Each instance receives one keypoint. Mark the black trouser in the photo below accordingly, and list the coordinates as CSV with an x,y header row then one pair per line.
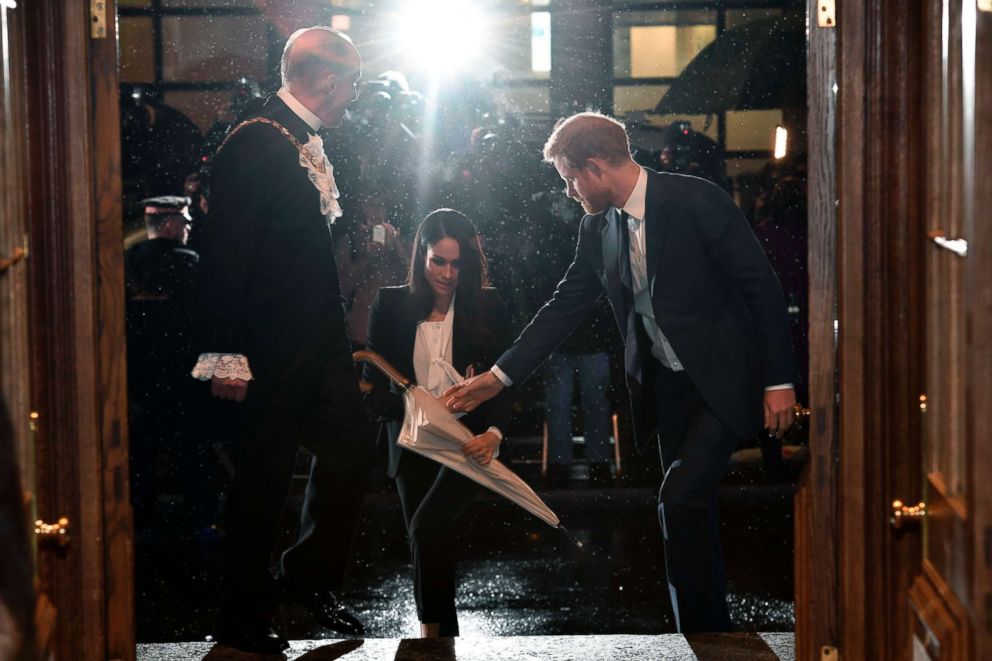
x,y
323,411
695,451
433,497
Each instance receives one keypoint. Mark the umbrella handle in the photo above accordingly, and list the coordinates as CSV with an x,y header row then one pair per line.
x,y
383,366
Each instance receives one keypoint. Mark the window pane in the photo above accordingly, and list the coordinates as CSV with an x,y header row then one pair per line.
x,y
752,129
133,3
214,48
636,98
523,100
540,42
736,17
659,43
201,107
137,56
208,3
518,42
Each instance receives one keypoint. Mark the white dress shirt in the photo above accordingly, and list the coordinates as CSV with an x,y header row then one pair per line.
x,y
432,359
635,208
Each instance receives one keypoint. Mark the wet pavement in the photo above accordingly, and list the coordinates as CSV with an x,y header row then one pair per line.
x,y
517,576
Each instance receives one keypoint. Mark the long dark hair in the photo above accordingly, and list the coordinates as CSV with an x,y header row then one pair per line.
x,y
473,274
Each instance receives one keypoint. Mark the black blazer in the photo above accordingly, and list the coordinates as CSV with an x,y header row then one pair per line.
x,y
392,334
268,280
715,297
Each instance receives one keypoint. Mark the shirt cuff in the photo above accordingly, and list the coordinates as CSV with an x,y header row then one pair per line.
x,y
499,435
222,366
781,386
501,375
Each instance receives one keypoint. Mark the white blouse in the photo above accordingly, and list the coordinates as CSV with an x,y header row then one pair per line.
x,y
432,354
432,359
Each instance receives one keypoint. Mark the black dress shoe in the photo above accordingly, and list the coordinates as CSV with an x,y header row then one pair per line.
x,y
258,640
328,611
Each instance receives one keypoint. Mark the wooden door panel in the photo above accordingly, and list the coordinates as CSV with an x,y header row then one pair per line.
x,y
939,622
943,598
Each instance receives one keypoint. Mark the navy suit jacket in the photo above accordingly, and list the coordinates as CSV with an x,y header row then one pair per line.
x,y
714,294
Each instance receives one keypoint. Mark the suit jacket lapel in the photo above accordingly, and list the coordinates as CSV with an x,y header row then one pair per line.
x,y
406,335
657,225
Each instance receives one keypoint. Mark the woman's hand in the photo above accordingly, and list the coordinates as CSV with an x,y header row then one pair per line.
x,y
482,448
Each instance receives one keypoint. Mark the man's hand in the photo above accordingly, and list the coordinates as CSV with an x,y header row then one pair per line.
x,y
779,410
481,448
467,395
232,389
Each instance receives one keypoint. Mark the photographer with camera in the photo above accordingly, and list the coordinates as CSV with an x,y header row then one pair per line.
x,y
370,254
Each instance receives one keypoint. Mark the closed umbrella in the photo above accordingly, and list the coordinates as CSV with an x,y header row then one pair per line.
x,y
432,431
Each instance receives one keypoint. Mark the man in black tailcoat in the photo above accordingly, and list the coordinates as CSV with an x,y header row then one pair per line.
x,y
271,336
708,357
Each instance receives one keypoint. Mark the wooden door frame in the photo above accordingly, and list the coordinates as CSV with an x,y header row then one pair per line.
x,y
867,258
979,275
864,147
77,325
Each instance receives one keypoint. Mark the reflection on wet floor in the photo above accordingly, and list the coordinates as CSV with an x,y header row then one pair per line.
x,y
517,576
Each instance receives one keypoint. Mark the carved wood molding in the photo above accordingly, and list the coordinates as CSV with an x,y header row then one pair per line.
x,y
938,621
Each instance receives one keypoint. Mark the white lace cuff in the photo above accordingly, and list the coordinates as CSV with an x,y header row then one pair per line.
x,y
223,366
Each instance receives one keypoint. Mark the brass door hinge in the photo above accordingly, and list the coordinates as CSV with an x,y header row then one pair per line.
x,y
826,13
98,19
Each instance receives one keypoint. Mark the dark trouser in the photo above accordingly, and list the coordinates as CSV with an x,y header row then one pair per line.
x,y
432,498
323,412
695,452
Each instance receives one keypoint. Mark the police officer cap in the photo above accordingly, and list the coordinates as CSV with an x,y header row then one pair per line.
x,y
166,205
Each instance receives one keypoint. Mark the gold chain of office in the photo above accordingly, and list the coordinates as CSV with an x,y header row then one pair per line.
x,y
320,166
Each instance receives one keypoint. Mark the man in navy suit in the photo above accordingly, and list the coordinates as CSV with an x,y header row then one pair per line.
x,y
708,358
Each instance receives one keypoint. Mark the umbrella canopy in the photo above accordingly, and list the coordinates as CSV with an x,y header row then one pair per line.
x,y
760,65
432,431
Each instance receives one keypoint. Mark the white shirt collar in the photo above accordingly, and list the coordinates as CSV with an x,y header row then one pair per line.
x,y
636,203
301,110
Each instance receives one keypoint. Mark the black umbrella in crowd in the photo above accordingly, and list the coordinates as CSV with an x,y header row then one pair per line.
x,y
760,65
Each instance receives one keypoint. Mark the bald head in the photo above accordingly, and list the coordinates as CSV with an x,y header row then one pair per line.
x,y
313,53
321,67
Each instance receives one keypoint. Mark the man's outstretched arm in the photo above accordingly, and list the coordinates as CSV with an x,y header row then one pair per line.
x,y
574,297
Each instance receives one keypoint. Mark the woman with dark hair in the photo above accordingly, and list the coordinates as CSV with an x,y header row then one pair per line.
x,y
443,323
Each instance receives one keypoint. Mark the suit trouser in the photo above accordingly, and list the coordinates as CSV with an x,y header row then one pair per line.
x,y
432,498
323,412
695,451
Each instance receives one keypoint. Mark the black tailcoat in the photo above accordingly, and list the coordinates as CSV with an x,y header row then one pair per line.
x,y
269,290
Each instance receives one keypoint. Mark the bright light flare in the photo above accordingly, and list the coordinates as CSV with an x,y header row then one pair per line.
x,y
442,36
781,142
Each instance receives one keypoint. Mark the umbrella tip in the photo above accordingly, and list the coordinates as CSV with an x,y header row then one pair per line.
x,y
569,536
